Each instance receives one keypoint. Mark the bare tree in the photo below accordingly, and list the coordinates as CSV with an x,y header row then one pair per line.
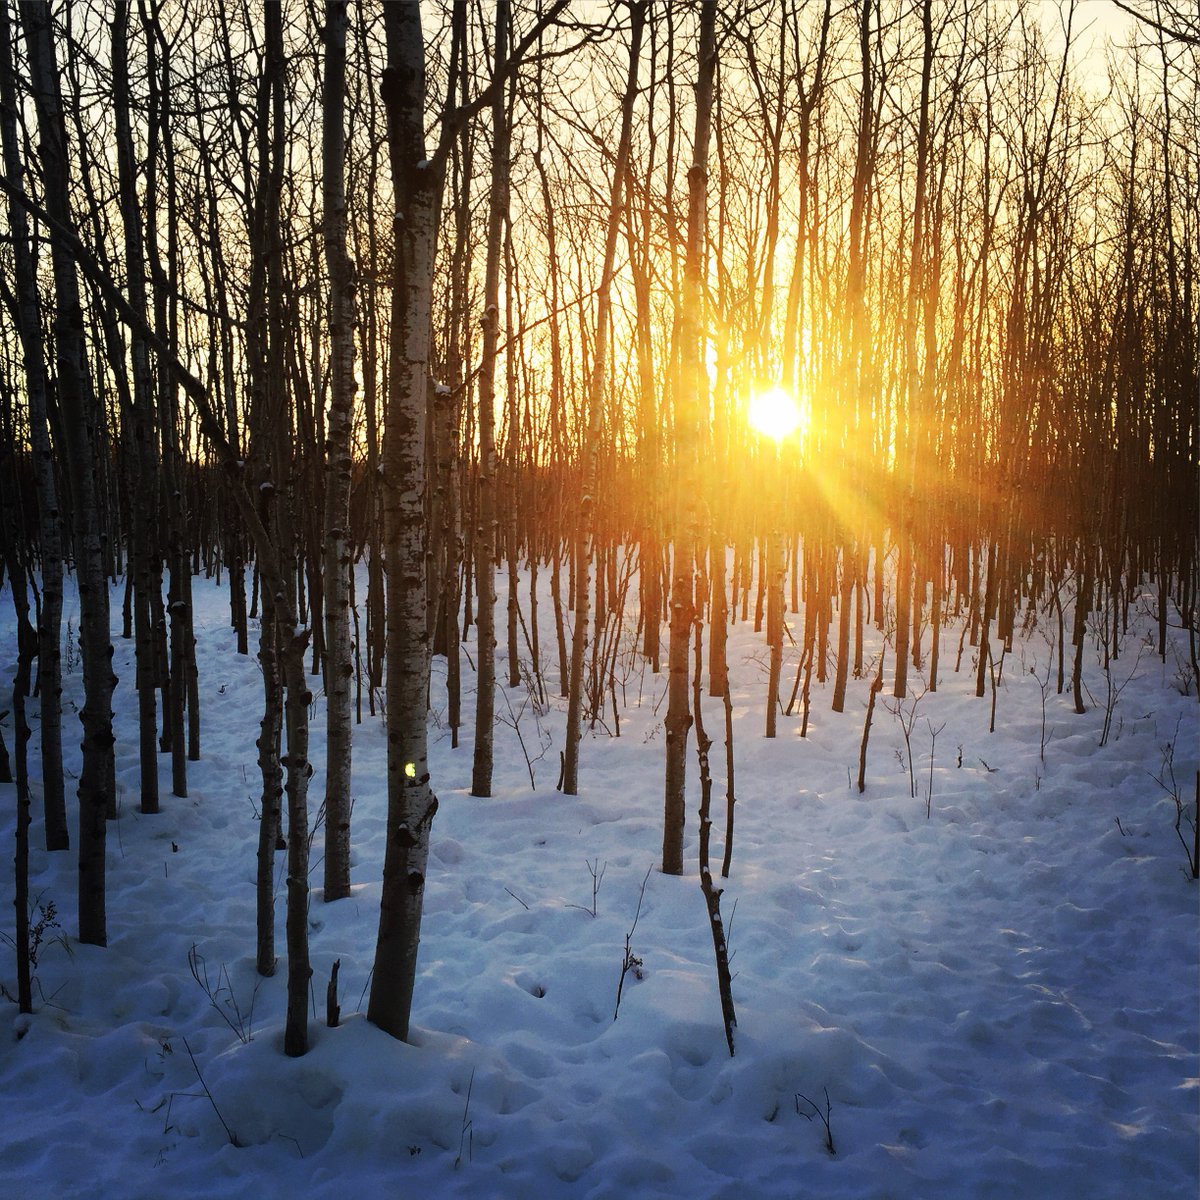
x,y
28,319
692,383
339,667
79,419
143,550
418,179
485,515
585,526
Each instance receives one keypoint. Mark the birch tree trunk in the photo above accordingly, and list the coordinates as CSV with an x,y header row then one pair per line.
x,y
13,560
692,380
448,404
417,186
29,327
171,489
339,668
906,450
485,512
145,499
418,179
78,415
291,637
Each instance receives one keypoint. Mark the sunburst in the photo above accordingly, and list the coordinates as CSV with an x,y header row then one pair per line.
x,y
775,413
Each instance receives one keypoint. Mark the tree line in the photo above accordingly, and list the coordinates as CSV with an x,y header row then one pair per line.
x,y
448,290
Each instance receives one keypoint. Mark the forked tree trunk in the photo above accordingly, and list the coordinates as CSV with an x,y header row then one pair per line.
x,y
417,184
417,181
77,409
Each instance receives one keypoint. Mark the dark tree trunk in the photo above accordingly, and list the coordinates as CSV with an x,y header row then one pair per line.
x,y
79,417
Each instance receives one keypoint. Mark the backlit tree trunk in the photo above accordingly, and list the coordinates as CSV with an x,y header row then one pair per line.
x,y
486,524
417,185
145,500
691,388
584,527
337,566
29,326
79,416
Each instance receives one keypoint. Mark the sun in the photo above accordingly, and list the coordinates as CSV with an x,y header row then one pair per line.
x,y
776,414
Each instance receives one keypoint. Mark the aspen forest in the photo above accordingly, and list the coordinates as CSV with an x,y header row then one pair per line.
x,y
600,598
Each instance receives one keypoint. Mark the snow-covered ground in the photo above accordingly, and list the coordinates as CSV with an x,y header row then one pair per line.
x,y
998,999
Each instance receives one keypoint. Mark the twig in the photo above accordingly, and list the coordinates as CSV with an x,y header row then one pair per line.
x,y
514,723
933,734
233,1139
466,1133
631,962
242,1025
876,688
364,989
816,1112
597,873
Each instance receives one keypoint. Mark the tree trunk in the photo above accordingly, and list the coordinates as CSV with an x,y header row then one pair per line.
x,y
486,523
692,381
584,526
29,326
144,546
11,558
417,184
339,668
78,412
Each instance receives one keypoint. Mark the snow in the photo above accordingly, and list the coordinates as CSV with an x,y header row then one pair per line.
x,y
999,1000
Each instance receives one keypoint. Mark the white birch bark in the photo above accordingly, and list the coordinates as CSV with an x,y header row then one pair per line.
x,y
411,802
418,180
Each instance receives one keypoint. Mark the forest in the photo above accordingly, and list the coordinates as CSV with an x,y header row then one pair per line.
x,y
625,410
